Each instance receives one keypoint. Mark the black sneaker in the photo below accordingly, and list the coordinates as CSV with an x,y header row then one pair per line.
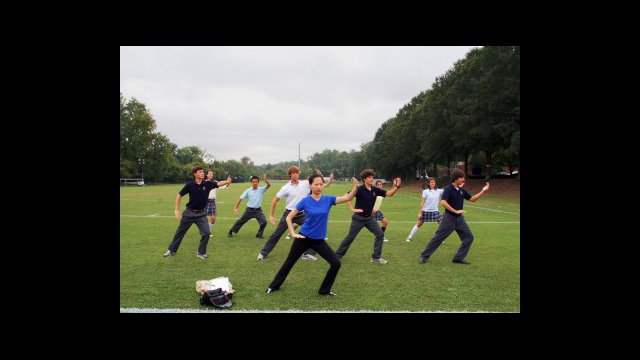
x,y
330,293
259,236
229,234
422,260
270,290
460,262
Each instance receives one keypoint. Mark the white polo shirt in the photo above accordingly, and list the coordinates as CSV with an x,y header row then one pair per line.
x,y
432,199
294,193
213,193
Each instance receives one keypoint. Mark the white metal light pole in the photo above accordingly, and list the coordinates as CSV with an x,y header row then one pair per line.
x,y
141,162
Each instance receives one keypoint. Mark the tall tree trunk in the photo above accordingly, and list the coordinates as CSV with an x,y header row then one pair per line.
x,y
489,165
466,163
435,170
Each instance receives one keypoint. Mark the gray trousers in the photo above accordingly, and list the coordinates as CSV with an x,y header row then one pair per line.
x,y
251,213
357,223
447,225
281,229
189,218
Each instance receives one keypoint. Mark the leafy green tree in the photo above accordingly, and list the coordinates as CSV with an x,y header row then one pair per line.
x,y
190,154
140,142
137,129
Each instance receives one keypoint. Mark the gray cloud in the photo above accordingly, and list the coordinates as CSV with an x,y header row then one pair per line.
x,y
260,101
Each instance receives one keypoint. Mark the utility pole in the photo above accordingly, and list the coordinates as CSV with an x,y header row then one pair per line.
x,y
141,163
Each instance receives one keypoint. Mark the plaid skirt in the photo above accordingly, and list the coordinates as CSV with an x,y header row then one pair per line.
x,y
430,216
211,207
379,216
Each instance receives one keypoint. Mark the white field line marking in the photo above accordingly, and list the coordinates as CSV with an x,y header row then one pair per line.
x,y
216,311
484,208
333,221
472,206
167,201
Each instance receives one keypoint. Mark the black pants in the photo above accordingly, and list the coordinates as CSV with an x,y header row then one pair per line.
x,y
280,229
297,248
447,225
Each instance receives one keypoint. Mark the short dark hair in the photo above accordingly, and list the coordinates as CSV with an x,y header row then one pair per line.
x,y
255,177
456,174
379,181
195,169
366,173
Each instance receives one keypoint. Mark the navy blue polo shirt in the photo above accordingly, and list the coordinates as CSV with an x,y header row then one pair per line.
x,y
455,197
365,199
198,194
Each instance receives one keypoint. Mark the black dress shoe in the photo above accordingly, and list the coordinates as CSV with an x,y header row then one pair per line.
x,y
460,262
422,260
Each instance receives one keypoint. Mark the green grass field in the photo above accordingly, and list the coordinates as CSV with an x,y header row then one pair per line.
x,y
490,283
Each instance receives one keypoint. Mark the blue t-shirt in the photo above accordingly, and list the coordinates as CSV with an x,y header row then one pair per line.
x,y
315,224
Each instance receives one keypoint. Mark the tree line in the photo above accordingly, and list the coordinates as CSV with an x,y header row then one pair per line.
x,y
471,114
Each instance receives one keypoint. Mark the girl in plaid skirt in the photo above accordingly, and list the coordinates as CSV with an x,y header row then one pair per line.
x,y
211,202
428,207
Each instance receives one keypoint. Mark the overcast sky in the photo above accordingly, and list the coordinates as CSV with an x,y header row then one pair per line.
x,y
261,101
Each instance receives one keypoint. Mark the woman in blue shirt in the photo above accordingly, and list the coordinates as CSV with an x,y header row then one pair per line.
x,y
312,234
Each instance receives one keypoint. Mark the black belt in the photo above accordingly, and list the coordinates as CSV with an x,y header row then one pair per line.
x,y
194,210
254,209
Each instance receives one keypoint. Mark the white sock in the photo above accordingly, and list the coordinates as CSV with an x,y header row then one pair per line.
x,y
413,231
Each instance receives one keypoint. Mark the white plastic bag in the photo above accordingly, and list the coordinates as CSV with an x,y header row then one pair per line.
x,y
219,282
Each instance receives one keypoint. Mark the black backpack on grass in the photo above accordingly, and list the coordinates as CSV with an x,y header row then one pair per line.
x,y
215,297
